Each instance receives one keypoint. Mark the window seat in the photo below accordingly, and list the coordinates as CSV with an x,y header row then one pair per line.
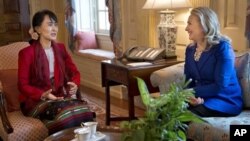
x,y
88,62
90,51
96,54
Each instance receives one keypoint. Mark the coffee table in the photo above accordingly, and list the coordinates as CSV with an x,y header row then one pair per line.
x,y
112,134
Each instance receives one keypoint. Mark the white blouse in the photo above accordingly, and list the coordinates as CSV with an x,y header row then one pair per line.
x,y
50,56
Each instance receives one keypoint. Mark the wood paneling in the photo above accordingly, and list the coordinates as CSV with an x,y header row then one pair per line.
x,y
197,3
14,21
11,6
232,18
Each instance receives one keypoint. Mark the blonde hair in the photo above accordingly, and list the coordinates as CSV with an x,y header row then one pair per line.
x,y
210,24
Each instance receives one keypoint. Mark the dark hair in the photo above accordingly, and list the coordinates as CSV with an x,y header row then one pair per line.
x,y
39,17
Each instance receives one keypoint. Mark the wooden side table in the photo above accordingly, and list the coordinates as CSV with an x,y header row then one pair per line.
x,y
117,72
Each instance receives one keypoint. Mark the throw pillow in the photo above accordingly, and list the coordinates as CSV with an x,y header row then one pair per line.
x,y
242,65
10,89
85,40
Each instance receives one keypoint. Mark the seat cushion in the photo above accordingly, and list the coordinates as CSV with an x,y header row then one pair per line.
x,y
97,54
217,128
85,40
11,92
242,65
25,128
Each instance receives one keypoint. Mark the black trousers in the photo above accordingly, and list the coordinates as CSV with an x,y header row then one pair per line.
x,y
203,111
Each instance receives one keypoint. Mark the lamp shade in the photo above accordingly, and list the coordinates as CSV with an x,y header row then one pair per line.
x,y
166,4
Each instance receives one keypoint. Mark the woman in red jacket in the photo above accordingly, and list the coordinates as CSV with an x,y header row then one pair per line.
x,y
47,78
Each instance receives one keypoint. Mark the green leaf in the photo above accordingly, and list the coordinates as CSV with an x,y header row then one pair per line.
x,y
126,137
138,135
188,116
182,135
143,91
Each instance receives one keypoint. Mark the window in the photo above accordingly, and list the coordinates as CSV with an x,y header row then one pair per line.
x,y
92,15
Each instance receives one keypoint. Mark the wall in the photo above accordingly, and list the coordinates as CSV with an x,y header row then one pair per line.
x,y
140,25
232,19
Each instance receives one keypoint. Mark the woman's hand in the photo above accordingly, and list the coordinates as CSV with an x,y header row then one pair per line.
x,y
195,101
72,88
50,96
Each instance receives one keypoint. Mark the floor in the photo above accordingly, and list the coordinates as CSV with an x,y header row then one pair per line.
x,y
118,106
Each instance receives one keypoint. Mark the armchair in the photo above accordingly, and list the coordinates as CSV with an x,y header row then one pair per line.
x,y
217,128
13,124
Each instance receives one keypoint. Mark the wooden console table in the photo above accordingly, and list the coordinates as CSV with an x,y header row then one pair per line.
x,y
117,72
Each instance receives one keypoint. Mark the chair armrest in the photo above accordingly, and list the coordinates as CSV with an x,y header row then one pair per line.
x,y
164,77
5,121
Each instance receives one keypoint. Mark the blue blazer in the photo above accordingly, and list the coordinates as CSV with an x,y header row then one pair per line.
x,y
214,78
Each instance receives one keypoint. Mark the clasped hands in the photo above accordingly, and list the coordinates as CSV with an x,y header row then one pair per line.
x,y
48,95
195,101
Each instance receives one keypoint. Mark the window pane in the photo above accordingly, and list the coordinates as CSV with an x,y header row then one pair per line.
x,y
102,24
84,20
92,15
101,5
103,21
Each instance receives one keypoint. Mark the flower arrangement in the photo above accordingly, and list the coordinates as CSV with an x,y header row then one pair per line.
x,y
166,117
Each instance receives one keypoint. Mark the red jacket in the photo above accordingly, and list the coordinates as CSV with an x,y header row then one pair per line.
x,y
30,91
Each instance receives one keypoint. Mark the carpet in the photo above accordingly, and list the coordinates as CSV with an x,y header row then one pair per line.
x,y
98,105
99,109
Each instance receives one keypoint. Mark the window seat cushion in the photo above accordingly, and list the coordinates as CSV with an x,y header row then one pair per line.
x,y
96,54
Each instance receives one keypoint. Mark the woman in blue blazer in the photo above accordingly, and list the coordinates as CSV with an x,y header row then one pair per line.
x,y
209,63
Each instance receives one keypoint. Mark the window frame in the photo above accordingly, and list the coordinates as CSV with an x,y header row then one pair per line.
x,y
93,14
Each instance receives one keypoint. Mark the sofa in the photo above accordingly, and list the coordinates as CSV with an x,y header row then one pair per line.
x,y
216,128
14,126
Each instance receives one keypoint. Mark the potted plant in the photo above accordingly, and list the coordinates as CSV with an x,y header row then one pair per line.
x,y
166,117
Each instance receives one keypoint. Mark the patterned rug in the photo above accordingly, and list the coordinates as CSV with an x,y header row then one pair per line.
x,y
99,109
98,106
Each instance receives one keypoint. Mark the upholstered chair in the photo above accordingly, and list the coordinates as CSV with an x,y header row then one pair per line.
x,y
14,126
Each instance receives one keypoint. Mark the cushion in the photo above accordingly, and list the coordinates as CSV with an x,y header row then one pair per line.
x,y
85,40
164,77
97,54
242,65
11,92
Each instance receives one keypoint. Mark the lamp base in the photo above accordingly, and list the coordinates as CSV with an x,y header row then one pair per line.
x,y
167,32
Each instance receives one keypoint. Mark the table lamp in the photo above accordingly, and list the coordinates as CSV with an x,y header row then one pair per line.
x,y
167,29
